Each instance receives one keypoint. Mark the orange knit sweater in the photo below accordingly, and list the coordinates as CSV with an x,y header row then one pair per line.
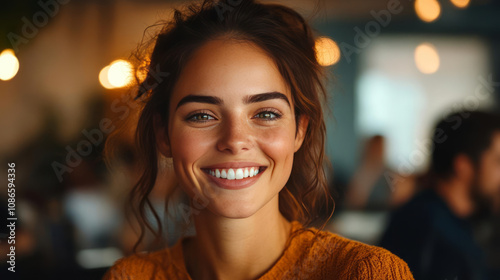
x,y
329,257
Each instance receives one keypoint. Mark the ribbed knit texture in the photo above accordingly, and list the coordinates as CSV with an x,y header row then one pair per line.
x,y
330,256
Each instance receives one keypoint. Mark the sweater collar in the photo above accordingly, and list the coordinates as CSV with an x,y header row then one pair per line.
x,y
281,266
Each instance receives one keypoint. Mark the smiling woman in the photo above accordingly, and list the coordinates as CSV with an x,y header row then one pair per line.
x,y
241,118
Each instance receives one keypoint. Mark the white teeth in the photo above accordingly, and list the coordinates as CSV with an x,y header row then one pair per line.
x,y
239,173
230,174
234,174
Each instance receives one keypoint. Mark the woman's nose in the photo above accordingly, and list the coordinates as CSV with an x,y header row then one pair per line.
x,y
235,136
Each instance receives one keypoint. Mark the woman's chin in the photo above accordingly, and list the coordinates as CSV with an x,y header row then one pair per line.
x,y
233,209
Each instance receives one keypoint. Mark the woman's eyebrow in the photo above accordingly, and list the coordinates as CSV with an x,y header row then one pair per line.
x,y
265,96
247,100
199,99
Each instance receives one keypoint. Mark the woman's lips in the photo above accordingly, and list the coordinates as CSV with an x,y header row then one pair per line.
x,y
234,184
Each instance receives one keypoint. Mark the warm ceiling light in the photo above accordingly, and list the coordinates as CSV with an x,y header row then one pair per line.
x,y
427,10
9,65
427,58
327,51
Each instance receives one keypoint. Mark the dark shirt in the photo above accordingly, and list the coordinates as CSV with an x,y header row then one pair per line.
x,y
434,242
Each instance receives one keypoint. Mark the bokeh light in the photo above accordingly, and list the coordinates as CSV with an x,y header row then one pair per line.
x,y
103,78
462,4
120,73
327,51
9,65
427,58
427,10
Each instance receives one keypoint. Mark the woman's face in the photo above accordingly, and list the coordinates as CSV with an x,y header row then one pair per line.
x,y
231,113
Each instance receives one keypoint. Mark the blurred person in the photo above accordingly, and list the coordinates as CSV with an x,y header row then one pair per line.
x,y
368,173
493,248
374,186
43,241
89,207
240,117
489,238
433,232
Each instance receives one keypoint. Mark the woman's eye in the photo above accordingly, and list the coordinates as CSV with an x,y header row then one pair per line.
x,y
269,115
200,117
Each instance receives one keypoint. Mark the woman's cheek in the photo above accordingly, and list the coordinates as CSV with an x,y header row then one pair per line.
x,y
186,149
277,143
189,145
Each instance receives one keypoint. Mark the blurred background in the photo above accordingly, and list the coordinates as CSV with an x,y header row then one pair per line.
x,y
399,66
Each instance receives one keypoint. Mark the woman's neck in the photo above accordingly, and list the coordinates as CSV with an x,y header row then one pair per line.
x,y
236,248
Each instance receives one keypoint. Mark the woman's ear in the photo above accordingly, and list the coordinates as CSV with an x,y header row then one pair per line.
x,y
301,133
161,135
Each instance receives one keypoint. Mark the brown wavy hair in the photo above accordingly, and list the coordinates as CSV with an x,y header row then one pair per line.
x,y
289,41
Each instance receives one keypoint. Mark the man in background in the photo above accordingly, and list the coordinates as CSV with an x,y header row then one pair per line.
x,y
433,231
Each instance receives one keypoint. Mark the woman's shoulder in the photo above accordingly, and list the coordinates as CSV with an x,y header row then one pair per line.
x,y
365,261
138,266
349,259
161,264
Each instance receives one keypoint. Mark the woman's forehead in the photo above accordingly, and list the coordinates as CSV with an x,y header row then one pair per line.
x,y
229,68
